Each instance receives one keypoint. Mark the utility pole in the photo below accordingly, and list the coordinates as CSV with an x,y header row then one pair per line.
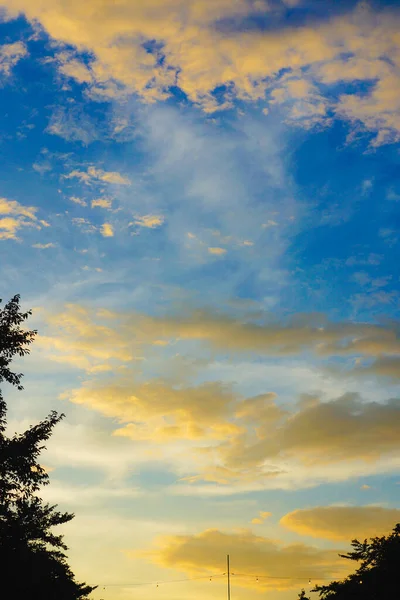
x,y
229,577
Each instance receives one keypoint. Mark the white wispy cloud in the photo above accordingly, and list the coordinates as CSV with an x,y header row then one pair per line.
x,y
44,246
10,55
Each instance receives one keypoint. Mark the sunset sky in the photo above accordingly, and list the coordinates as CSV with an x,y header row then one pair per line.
x,y
200,201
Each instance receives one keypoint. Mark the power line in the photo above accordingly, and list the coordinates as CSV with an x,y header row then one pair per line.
x,y
212,576
131,584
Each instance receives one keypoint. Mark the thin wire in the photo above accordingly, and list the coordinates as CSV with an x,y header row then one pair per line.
x,y
210,576
105,585
277,577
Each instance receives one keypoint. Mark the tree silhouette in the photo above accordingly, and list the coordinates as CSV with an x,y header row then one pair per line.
x,y
32,559
377,577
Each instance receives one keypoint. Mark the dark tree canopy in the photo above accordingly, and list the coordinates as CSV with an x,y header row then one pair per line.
x,y
377,577
32,559
14,341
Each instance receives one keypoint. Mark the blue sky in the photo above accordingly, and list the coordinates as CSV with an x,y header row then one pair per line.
x,y
201,203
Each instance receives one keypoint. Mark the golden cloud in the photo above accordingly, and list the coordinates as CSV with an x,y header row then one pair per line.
x,y
14,216
149,221
340,430
156,411
262,515
342,522
217,251
232,438
248,439
107,230
101,203
93,175
261,562
79,338
201,53
304,332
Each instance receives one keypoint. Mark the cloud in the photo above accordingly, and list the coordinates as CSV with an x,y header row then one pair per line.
x,y
10,55
107,230
277,566
84,224
231,438
385,366
342,522
251,439
159,412
86,338
101,203
192,46
73,125
93,175
217,251
150,221
14,216
44,246
301,333
341,430
312,332
78,201
262,515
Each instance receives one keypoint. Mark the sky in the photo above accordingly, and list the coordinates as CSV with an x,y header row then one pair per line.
x,y
200,201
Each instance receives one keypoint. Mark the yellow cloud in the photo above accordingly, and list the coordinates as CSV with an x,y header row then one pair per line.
x,y
199,56
244,439
257,438
43,246
341,430
150,221
107,230
342,522
83,337
93,175
101,203
14,216
262,562
217,251
261,518
158,412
